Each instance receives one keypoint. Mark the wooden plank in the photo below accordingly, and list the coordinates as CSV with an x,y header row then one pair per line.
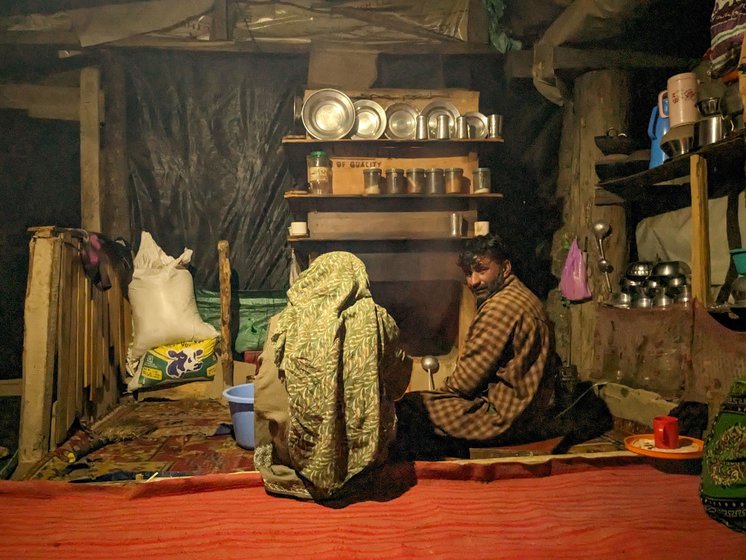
x,y
60,414
51,102
40,335
90,140
74,389
11,387
226,350
87,337
700,231
79,334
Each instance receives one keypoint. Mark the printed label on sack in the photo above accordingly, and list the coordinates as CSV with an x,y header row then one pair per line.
x,y
179,362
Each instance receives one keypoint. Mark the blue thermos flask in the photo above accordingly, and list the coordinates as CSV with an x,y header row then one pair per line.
x,y
657,127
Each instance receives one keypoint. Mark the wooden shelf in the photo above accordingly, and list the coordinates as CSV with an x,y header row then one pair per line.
x,y
723,158
362,244
303,203
298,146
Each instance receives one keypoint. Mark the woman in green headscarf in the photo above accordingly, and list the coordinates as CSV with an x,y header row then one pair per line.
x,y
331,371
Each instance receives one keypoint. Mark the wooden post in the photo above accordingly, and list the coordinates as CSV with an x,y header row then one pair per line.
x,y
39,341
225,311
115,208
600,101
90,140
700,230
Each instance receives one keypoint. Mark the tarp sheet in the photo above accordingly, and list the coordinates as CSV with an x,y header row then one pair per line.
x,y
206,158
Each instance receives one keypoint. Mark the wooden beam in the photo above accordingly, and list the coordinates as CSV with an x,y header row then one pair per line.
x,y
115,208
520,64
46,102
61,38
11,387
39,341
220,30
90,142
700,230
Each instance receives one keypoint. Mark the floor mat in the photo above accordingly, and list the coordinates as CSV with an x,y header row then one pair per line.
x,y
150,438
168,438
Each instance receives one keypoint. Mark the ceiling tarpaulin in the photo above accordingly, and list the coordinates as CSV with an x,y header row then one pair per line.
x,y
581,22
105,24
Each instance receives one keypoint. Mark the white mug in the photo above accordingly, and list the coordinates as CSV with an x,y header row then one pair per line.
x,y
682,99
481,228
298,229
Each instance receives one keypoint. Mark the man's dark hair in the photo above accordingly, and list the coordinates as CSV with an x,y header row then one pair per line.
x,y
482,245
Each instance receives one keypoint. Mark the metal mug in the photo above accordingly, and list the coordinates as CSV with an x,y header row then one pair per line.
x,y
681,91
422,131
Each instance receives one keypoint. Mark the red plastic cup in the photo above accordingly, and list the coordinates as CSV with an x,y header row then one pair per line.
x,y
666,432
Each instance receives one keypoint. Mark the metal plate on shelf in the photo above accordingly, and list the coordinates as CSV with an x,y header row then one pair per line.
x,y
436,108
370,120
328,114
401,121
477,124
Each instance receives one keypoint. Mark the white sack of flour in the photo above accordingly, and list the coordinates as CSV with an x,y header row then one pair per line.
x,y
164,310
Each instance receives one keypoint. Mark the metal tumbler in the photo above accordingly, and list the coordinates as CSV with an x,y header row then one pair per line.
x,y
421,131
494,126
462,129
443,132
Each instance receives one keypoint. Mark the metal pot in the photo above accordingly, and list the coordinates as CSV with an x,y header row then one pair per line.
x,y
639,270
711,129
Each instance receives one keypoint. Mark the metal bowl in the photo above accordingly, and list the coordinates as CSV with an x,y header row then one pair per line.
x,y
370,120
639,270
328,114
671,268
436,108
401,121
678,140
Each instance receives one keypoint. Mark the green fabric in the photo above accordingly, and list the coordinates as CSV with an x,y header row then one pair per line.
x,y
254,311
340,356
723,490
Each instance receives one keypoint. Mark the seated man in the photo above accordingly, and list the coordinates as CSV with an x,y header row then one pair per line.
x,y
502,387
331,370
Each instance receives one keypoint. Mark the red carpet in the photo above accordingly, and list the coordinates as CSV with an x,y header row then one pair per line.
x,y
580,511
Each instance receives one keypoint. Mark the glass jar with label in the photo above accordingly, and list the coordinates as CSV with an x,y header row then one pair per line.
x,y
319,172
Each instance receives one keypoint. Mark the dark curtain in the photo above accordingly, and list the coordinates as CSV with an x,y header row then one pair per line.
x,y
206,159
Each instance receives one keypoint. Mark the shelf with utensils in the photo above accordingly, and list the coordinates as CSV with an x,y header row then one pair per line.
x,y
724,159
687,180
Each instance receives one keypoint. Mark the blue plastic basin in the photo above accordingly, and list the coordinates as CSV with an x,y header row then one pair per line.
x,y
241,403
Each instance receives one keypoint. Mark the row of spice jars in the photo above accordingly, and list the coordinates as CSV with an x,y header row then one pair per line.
x,y
424,181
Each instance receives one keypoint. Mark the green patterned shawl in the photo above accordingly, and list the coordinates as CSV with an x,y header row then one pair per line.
x,y
336,347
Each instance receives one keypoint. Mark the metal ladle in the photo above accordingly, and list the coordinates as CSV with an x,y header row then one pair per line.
x,y
431,365
601,229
